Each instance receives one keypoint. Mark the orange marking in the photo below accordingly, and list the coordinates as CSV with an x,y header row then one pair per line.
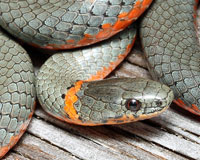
x,y
15,139
193,108
102,34
70,41
107,30
88,39
105,26
71,98
195,14
123,15
119,25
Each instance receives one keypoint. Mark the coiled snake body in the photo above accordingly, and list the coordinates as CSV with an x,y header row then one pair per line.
x,y
173,50
64,83
17,92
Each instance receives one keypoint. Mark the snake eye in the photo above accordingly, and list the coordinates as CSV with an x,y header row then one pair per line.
x,y
133,105
63,96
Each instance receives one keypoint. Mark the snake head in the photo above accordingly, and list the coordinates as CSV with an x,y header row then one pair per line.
x,y
116,101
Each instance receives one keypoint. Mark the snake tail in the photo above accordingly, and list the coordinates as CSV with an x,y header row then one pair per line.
x,y
17,92
168,33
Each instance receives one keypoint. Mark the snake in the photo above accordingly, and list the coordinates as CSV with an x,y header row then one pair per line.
x,y
172,48
17,92
69,85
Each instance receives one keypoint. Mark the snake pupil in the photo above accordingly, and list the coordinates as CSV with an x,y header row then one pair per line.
x,y
133,105
63,96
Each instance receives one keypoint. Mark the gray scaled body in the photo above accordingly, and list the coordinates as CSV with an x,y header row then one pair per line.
x,y
172,48
59,23
17,92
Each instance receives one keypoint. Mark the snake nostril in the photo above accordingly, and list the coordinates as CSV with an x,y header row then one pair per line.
x,y
159,103
133,105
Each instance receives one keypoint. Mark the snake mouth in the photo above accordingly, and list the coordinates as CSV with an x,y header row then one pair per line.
x,y
131,118
151,115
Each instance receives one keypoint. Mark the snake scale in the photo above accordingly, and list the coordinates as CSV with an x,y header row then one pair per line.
x,y
65,84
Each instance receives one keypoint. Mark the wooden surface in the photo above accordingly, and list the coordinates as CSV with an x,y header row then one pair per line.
x,y
173,135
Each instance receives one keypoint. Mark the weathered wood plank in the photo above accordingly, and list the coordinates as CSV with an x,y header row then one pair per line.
x,y
35,148
105,137
129,144
186,124
136,57
173,142
131,70
14,156
76,145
